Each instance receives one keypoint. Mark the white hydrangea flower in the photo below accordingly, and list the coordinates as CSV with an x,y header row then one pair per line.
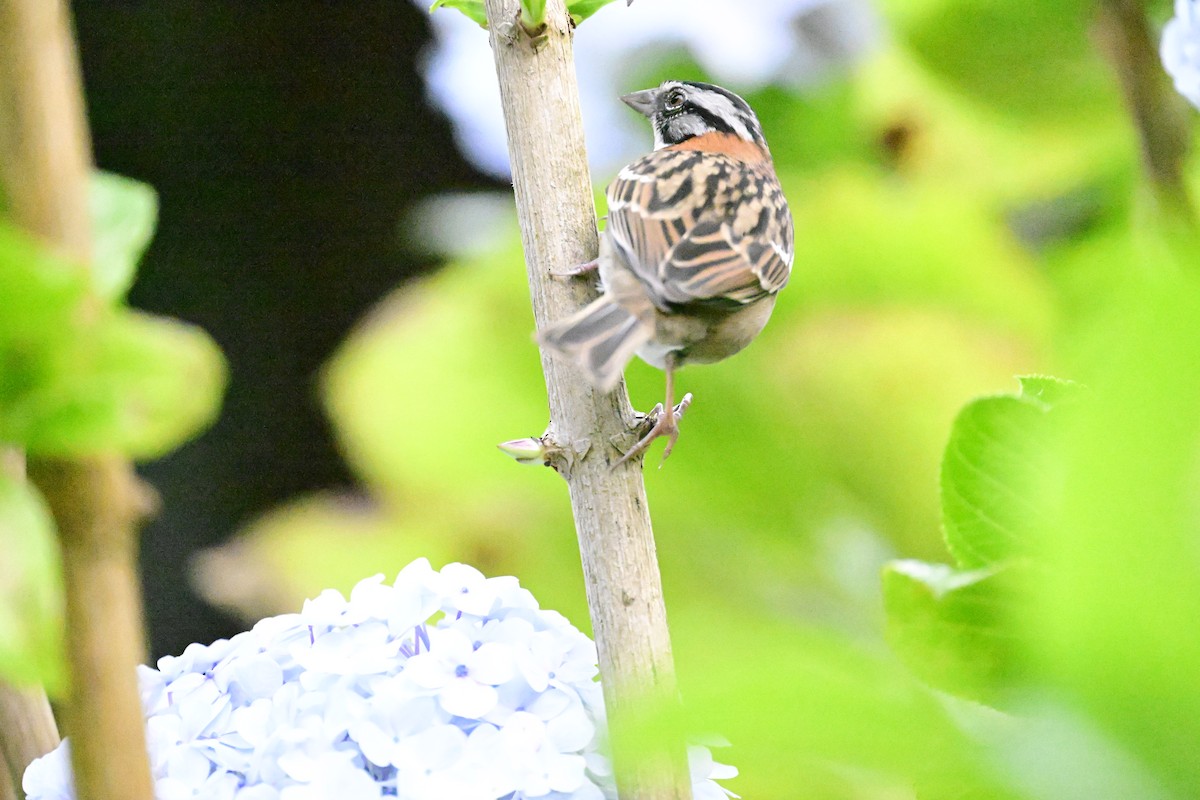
x,y
445,684
706,772
463,674
50,777
1181,49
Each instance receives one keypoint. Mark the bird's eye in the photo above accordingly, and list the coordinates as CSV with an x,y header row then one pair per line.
x,y
675,99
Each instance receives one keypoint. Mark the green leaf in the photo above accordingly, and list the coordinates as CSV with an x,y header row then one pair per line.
x,y
140,385
995,474
77,378
949,626
582,9
1051,392
31,612
170,377
473,9
40,294
42,298
124,214
533,13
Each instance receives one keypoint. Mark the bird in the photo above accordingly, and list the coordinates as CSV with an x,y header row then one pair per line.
x,y
698,244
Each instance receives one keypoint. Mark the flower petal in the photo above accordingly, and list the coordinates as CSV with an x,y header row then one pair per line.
x,y
466,697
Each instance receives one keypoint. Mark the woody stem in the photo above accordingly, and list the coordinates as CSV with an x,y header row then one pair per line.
x,y
558,228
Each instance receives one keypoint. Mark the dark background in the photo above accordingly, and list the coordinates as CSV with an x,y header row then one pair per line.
x,y
286,140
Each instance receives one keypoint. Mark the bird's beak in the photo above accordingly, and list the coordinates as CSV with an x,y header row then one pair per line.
x,y
642,102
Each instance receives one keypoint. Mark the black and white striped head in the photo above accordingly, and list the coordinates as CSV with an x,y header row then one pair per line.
x,y
681,110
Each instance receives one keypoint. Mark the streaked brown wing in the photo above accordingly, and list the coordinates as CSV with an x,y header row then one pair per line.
x,y
651,205
698,226
713,263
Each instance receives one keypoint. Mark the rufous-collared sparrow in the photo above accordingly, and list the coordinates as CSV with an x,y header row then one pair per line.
x,y
698,244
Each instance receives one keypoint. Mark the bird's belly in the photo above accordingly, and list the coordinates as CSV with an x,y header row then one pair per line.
x,y
655,353
700,340
730,333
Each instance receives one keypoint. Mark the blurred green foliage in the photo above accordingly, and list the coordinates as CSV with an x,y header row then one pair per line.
x,y
1113,625
80,375
968,209
31,646
1039,66
124,213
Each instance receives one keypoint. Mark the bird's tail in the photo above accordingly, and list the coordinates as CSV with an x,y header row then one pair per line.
x,y
602,338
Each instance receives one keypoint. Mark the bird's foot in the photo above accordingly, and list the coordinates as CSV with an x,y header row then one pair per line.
x,y
664,424
586,268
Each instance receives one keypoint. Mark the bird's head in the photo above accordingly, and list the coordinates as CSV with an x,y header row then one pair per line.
x,y
683,110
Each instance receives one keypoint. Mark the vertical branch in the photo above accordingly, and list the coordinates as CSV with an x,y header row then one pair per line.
x,y
27,731
27,727
589,429
43,135
96,505
1124,35
45,164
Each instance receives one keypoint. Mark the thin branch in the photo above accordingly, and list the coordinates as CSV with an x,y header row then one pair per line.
x,y
1124,35
45,164
589,429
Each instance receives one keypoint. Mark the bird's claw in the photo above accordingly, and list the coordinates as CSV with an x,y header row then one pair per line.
x,y
585,268
662,424
682,406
